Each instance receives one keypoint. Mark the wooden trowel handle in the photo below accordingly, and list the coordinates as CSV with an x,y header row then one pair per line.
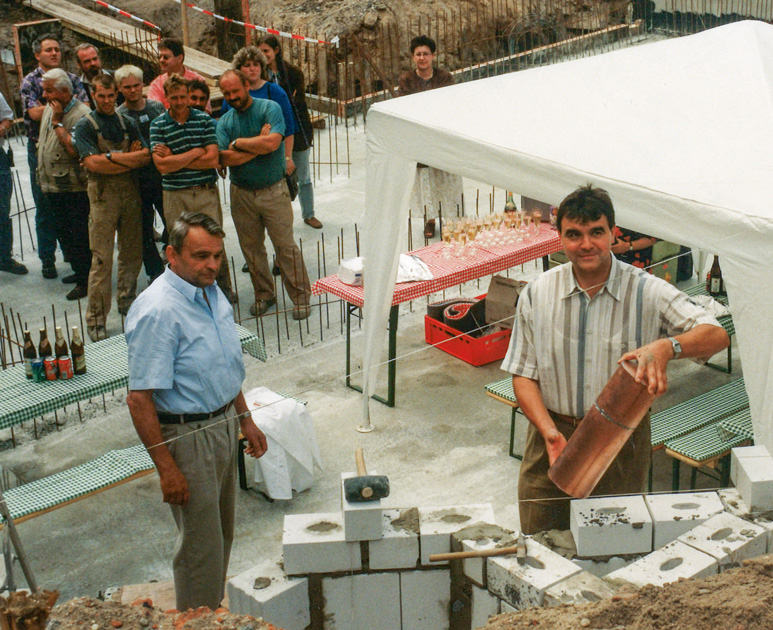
x,y
359,457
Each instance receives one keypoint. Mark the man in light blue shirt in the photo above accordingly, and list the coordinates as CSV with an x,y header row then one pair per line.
x,y
185,378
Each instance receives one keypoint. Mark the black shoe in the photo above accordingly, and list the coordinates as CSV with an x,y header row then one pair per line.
x,y
77,293
71,279
49,271
11,266
246,268
262,307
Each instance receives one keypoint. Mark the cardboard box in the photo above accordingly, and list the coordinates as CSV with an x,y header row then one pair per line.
x,y
501,299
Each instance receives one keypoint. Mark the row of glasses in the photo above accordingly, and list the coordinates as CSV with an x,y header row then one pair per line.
x,y
463,236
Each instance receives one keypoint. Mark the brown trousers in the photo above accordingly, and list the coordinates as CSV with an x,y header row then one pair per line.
x,y
543,506
115,207
204,200
269,209
205,526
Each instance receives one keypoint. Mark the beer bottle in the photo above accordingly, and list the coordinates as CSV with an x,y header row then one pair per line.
x,y
29,353
714,283
60,344
78,354
510,203
44,347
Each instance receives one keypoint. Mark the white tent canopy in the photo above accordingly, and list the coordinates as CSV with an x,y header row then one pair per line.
x,y
680,132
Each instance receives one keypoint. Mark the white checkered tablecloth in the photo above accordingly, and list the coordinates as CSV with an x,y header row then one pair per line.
x,y
449,272
107,364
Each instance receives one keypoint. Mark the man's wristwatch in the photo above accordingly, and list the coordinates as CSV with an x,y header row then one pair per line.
x,y
109,156
676,346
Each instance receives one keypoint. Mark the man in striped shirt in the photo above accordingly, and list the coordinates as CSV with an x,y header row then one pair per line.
x,y
185,152
572,327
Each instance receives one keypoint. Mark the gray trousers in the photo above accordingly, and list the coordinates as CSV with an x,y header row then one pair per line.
x,y
205,525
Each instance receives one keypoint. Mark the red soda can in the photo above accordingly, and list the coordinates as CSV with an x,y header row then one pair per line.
x,y
65,367
50,365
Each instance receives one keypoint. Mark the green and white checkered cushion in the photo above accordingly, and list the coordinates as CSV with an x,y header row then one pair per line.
x,y
113,467
697,412
711,441
503,388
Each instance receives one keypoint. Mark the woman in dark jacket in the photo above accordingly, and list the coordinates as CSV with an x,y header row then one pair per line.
x,y
291,79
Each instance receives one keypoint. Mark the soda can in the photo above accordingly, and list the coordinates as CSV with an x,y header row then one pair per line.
x,y
65,367
38,370
51,371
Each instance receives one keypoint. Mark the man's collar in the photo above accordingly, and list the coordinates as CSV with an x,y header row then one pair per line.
x,y
612,285
183,286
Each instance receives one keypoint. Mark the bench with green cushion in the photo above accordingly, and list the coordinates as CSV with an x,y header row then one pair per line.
x,y
46,494
502,391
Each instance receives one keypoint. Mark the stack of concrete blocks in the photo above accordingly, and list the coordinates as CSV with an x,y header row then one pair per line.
x,y
676,514
610,526
342,572
751,471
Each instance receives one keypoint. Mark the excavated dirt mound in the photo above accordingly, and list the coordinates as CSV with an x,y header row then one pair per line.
x,y
739,599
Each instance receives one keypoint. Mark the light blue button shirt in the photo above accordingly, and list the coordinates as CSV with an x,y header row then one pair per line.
x,y
188,354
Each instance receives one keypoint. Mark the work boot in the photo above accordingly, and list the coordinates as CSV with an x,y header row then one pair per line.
x,y
11,266
97,333
78,292
301,311
49,271
261,307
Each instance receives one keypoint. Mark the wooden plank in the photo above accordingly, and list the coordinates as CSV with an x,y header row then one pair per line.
x,y
502,400
128,37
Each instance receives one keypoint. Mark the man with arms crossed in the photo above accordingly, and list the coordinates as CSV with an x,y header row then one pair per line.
x,y
185,378
184,149
250,141
111,149
572,326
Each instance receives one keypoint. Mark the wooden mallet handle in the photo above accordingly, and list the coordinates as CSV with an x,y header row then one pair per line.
x,y
359,458
480,553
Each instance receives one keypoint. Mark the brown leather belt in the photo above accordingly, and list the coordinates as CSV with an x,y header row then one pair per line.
x,y
183,418
565,419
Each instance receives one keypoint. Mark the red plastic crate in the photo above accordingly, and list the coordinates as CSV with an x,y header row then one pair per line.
x,y
475,351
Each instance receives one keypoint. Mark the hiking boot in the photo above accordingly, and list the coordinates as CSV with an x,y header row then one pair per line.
x,y
77,293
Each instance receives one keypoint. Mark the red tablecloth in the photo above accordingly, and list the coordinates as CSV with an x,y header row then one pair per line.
x,y
449,272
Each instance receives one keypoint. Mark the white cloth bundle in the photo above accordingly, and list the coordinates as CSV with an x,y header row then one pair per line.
x,y
289,463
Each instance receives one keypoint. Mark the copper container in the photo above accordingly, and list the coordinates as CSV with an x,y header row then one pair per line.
x,y
604,430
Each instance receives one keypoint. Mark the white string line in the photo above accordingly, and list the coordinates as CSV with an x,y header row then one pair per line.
x,y
335,379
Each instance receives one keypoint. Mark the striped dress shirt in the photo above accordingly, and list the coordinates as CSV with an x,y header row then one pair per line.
x,y
571,343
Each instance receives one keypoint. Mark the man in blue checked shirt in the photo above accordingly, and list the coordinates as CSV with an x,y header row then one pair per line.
x,y
185,399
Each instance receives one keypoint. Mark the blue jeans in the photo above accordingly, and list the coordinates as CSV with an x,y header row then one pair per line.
x,y
45,220
306,190
6,188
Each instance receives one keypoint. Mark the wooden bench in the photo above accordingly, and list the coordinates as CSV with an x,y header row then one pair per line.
x,y
701,431
49,493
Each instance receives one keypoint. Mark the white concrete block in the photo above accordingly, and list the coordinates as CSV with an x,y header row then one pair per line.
x,y
425,598
674,514
665,565
733,502
355,602
504,607
484,605
767,525
602,567
754,480
362,521
728,539
265,591
314,543
399,546
478,537
437,524
743,452
524,585
609,526
582,588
